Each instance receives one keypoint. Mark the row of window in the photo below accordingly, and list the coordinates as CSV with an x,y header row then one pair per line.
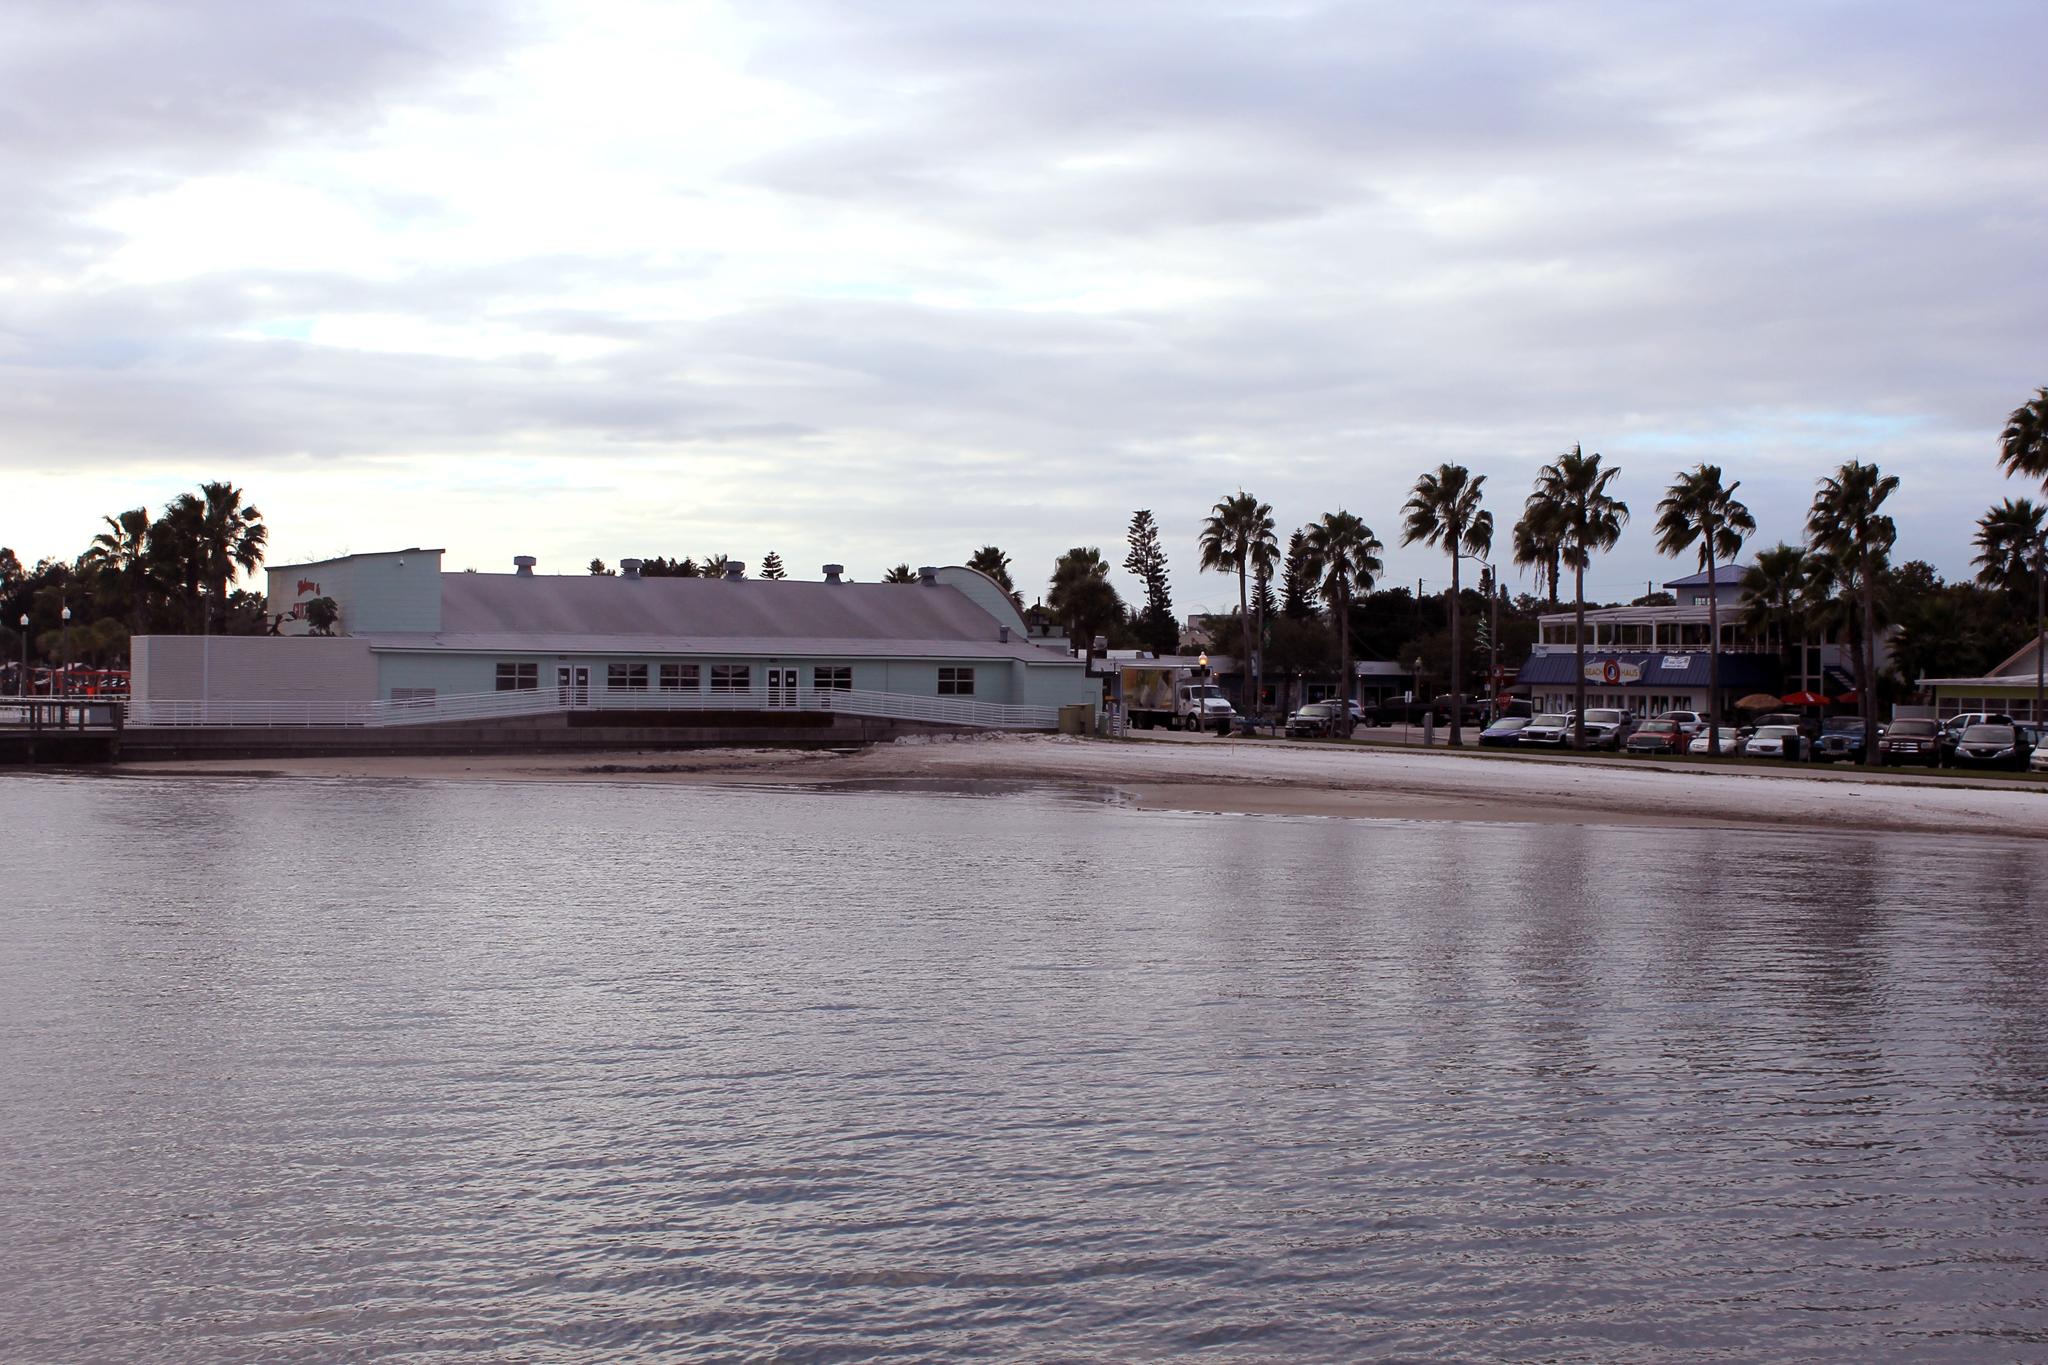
x,y
525,677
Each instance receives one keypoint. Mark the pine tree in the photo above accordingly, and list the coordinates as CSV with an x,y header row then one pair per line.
x,y
1147,561
771,566
1298,581
598,570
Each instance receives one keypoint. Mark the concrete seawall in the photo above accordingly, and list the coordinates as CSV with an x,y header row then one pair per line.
x,y
540,734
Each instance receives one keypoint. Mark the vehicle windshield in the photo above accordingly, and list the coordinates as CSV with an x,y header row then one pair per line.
x,y
1548,718
1836,725
1988,734
1914,729
1205,692
1604,717
1317,708
1509,723
1662,727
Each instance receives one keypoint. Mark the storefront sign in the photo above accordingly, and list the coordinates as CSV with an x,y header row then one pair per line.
x,y
1613,672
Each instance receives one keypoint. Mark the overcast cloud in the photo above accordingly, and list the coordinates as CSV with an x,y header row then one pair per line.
x,y
887,281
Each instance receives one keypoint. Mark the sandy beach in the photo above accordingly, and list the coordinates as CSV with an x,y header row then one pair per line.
x,y
1265,777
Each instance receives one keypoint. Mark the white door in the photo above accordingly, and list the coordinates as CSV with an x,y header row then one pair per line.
x,y
572,683
781,689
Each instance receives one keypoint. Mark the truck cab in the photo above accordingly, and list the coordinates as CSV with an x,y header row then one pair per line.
x,y
1201,705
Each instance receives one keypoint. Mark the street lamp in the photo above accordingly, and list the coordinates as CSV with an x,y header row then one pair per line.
x,y
65,651
22,681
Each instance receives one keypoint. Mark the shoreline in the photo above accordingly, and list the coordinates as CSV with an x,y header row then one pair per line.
x,y
1257,778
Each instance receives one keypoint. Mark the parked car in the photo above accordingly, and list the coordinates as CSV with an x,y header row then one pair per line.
x,y
1841,737
1316,719
1912,741
1991,746
1688,722
1474,709
1770,741
1954,726
1606,729
1505,731
1807,726
1731,742
1659,736
1549,729
2038,762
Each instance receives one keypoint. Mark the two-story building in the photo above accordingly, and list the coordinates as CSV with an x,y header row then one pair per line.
x,y
1648,660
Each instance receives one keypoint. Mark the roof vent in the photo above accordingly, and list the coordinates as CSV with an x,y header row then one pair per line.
x,y
832,572
1003,634
735,570
630,567
928,575
523,565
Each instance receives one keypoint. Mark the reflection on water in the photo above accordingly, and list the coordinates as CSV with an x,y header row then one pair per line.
x,y
307,1070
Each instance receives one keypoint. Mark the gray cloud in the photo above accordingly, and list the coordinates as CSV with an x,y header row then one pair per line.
x,y
1772,238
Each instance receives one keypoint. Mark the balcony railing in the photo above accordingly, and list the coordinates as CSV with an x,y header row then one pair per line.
x,y
475,706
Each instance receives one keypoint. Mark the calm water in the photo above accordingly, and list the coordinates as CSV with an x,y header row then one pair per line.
x,y
302,1070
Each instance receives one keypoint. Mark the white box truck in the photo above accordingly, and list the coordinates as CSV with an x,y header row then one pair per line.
x,y
1178,698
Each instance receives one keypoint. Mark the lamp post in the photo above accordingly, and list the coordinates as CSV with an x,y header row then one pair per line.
x,y
64,653
22,682
2040,624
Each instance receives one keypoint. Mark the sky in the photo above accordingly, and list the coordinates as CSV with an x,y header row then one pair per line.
x,y
890,281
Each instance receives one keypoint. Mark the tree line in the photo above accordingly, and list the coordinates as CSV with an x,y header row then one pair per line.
x,y
1840,585
168,572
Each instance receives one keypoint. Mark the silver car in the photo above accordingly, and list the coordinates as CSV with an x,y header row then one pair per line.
x,y
1551,729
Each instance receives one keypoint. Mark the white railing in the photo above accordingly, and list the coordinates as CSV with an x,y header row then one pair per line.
x,y
471,706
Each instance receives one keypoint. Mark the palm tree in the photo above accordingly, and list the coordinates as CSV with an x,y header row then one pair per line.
x,y
902,573
1239,536
1699,510
1571,502
1774,597
2008,536
992,561
2008,542
1845,522
2023,446
1445,511
1343,555
123,551
1536,548
175,542
1082,596
231,539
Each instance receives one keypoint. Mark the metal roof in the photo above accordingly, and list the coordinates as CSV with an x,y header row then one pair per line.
x,y
1725,576
589,613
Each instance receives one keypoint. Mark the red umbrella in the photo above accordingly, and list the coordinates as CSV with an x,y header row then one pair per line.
x,y
1803,699
1848,699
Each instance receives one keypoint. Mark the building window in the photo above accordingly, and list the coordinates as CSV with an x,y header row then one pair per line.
x,y
415,696
518,677
956,682
679,677
626,677
832,679
732,678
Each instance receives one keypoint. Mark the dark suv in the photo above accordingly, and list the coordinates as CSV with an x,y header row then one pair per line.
x,y
1912,741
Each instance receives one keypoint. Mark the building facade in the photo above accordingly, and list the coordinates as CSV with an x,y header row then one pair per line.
x,y
1646,660
409,632
2012,687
